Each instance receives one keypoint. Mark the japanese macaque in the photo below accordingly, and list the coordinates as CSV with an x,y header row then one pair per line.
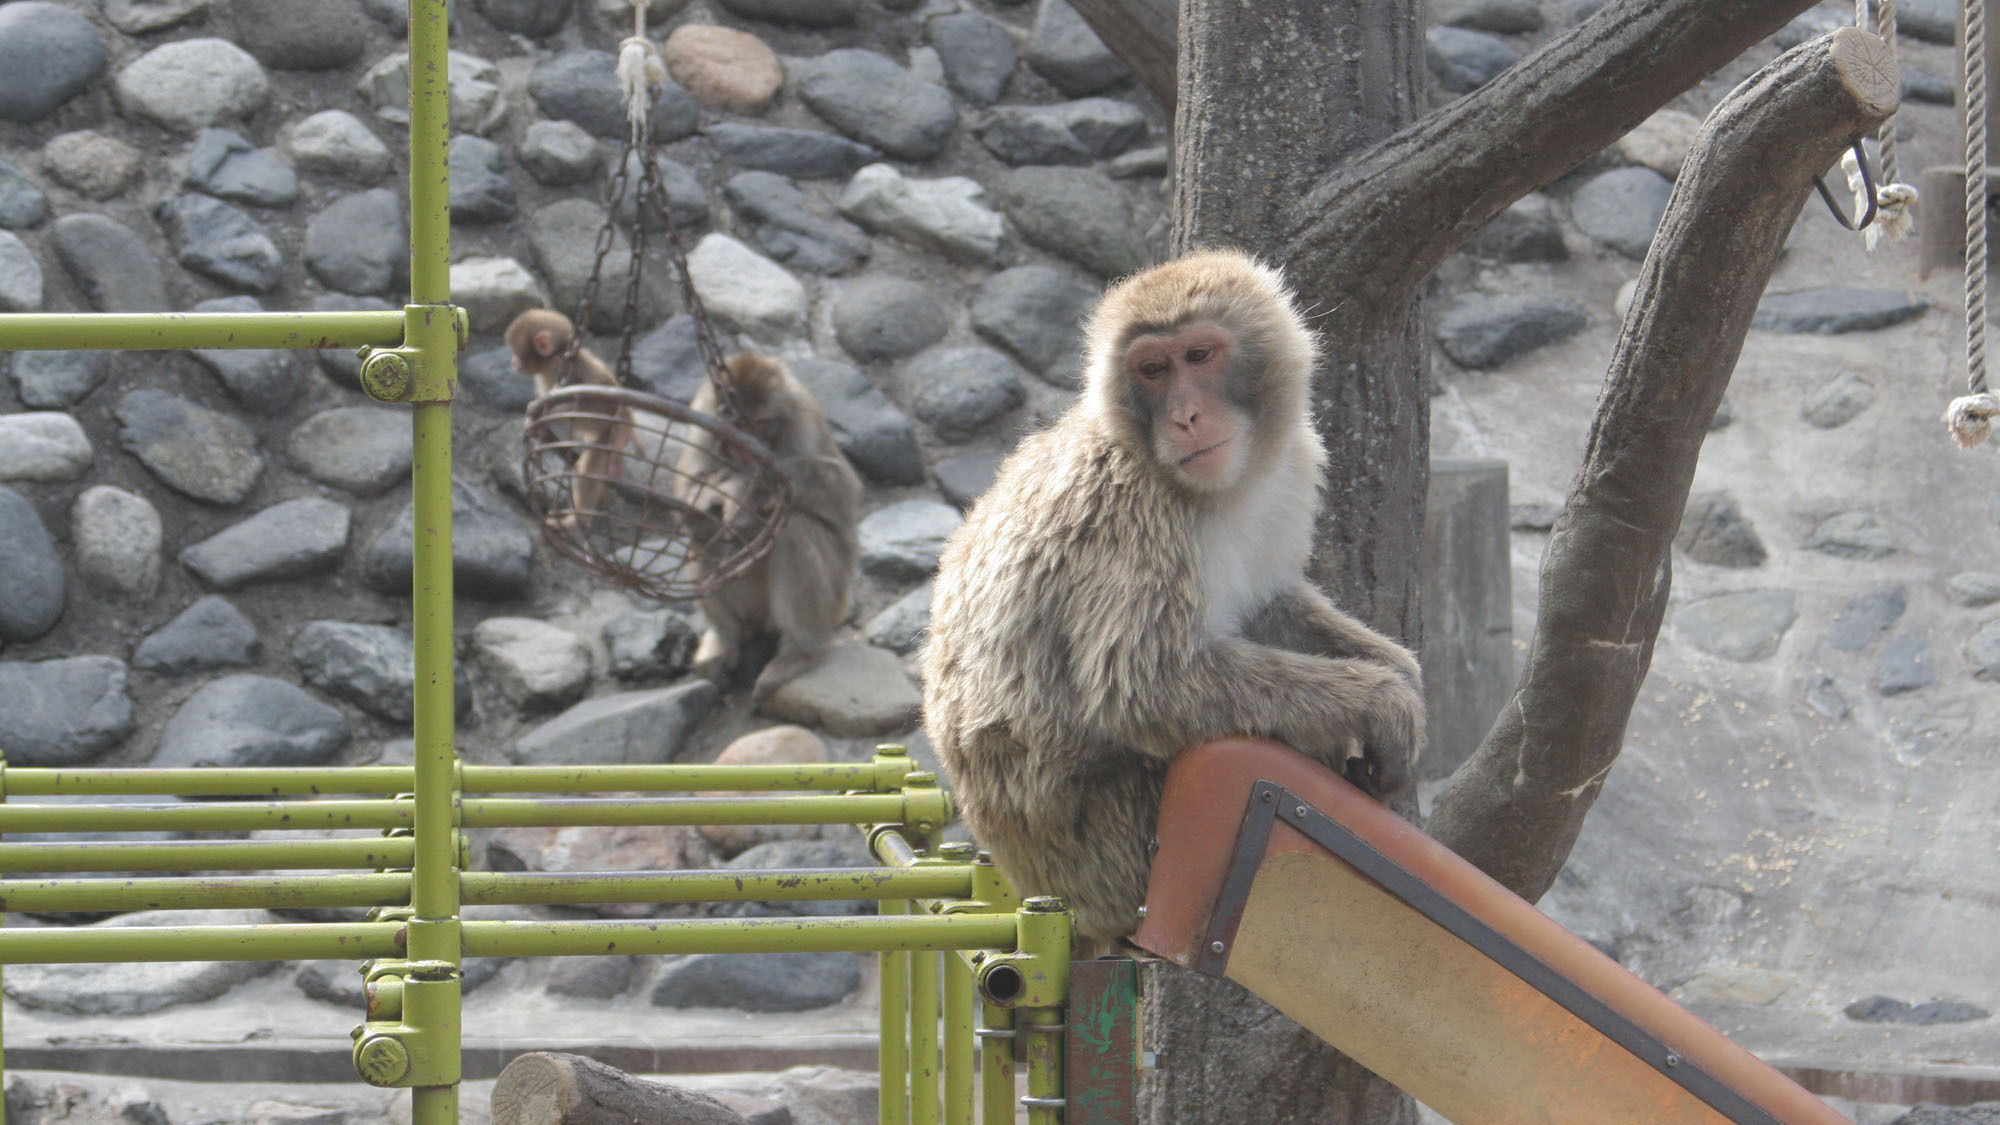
x,y
540,340
1134,584
800,590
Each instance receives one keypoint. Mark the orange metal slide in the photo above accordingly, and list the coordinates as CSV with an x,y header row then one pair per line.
x,y
1278,874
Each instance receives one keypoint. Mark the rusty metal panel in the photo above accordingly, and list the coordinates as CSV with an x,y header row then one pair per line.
x,y
1102,1063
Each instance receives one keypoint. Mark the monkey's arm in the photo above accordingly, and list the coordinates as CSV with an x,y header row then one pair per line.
x,y
1302,619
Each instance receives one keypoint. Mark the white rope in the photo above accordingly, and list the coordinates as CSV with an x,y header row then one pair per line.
x,y
1894,217
1970,418
640,73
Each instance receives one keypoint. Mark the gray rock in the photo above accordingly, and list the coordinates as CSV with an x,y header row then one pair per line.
x,y
22,202
1905,665
249,720
978,54
192,84
1973,589
336,143
1932,21
359,243
591,978
537,19
949,215
958,392
1481,330
480,189
210,634
137,17
535,664
220,242
1810,25
1838,401
1037,314
1744,626
629,727
746,291
874,434
563,236
91,164
559,153
805,13
224,164
1076,132
667,361
1622,208
20,276
494,291
1077,213
343,363
857,691
966,477
1865,618
1713,531
687,204
195,451
32,584
113,267
1888,1009
1824,696
487,378
902,542
48,54
795,855
871,99
881,317
757,982
1852,535
134,988
476,103
364,450
800,153
1063,49
1828,311
62,713
1505,17
1982,652
1464,60
900,627
116,537
491,550
1535,517
1526,231
45,446
323,35
371,666
1154,161
650,644
58,380
262,380
1920,85
289,539
781,222
581,85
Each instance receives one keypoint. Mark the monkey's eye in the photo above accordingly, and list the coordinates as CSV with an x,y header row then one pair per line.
x,y
1152,369
1199,355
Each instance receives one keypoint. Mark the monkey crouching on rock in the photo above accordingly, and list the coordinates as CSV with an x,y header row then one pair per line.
x,y
1133,584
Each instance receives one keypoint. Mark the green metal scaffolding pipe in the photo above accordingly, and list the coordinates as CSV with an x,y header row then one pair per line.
x,y
281,941
505,812
488,812
276,781
740,935
203,855
175,330
235,816
222,892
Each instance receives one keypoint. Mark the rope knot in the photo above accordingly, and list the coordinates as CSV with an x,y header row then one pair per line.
x,y
1970,418
640,72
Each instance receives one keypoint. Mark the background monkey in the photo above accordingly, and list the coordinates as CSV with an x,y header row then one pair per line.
x,y
539,339
801,589
1134,584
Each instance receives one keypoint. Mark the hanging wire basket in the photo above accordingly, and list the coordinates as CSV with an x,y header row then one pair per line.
x,y
680,506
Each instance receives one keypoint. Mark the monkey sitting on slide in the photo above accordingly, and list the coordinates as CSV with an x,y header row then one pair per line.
x,y
1134,584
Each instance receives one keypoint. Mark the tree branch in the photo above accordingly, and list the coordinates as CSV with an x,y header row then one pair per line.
x,y
1384,220
1141,32
1515,808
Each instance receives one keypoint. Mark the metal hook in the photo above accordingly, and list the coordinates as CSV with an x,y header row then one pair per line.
x,y
1867,190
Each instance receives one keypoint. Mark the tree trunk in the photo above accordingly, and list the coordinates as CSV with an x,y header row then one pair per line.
x,y
1293,141
1142,34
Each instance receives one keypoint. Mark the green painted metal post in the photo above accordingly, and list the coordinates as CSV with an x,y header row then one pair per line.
x,y
957,1040
893,1054
924,1038
996,1064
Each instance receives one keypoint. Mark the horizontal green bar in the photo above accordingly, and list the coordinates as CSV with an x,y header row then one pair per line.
x,y
489,888
157,331
229,892
294,941
234,816
206,855
33,781
739,935
506,812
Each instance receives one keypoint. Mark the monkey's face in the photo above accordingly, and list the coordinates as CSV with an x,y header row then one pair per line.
x,y
1182,385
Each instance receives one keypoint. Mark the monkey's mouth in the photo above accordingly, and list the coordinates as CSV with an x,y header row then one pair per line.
x,y
1200,453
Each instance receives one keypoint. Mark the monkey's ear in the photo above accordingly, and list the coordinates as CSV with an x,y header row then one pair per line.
x,y
545,343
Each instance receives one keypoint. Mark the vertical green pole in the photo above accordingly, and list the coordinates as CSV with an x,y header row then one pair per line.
x,y
432,331
924,1038
1046,933
996,1066
893,1054
957,1040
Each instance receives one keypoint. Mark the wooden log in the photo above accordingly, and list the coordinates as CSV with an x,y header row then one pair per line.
x,y
550,1088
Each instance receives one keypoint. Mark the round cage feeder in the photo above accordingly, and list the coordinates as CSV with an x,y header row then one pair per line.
x,y
649,494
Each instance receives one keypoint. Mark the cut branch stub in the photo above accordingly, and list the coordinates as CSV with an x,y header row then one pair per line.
x,y
1515,808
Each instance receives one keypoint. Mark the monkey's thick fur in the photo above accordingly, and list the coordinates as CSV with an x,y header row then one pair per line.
x,y
1095,615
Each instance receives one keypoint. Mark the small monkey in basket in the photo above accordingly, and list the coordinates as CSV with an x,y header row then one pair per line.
x,y
801,589
540,339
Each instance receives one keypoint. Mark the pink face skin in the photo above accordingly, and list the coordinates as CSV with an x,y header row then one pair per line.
x,y
1181,376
